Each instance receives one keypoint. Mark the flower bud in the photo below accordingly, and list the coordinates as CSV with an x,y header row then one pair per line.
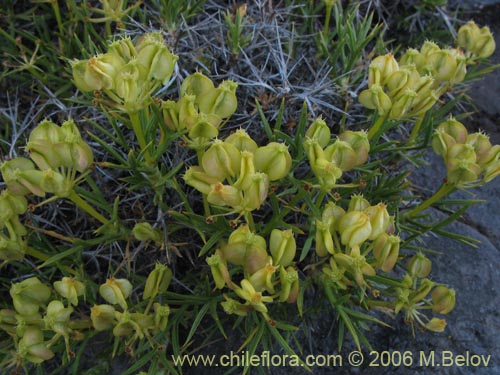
x,y
429,48
379,219
21,177
323,239
359,143
196,177
455,129
11,205
289,280
319,131
386,251
40,145
492,168
145,232
461,164
418,295
93,74
57,317
197,84
423,102
188,115
381,68
123,50
103,317
170,110
56,183
160,317
443,300
225,102
11,250
358,203
218,268
419,265
204,128
116,291
443,65
221,160
412,57
262,280
282,246
256,192
376,98
402,105
247,171
462,171
332,215
29,295
157,282
274,160
327,173
32,346
401,80
225,195
447,134
342,155
355,228
478,41
314,151
482,147
157,60
129,86
242,141
247,249
70,289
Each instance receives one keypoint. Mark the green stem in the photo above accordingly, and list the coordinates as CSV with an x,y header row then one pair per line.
x,y
249,220
108,28
328,15
206,206
137,128
444,190
376,127
321,197
57,12
416,129
76,199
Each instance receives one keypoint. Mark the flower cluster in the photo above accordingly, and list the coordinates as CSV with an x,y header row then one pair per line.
x,y
128,74
125,322
39,311
470,158
263,271
58,154
349,150
342,234
236,172
202,107
412,295
411,86
28,324
360,242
